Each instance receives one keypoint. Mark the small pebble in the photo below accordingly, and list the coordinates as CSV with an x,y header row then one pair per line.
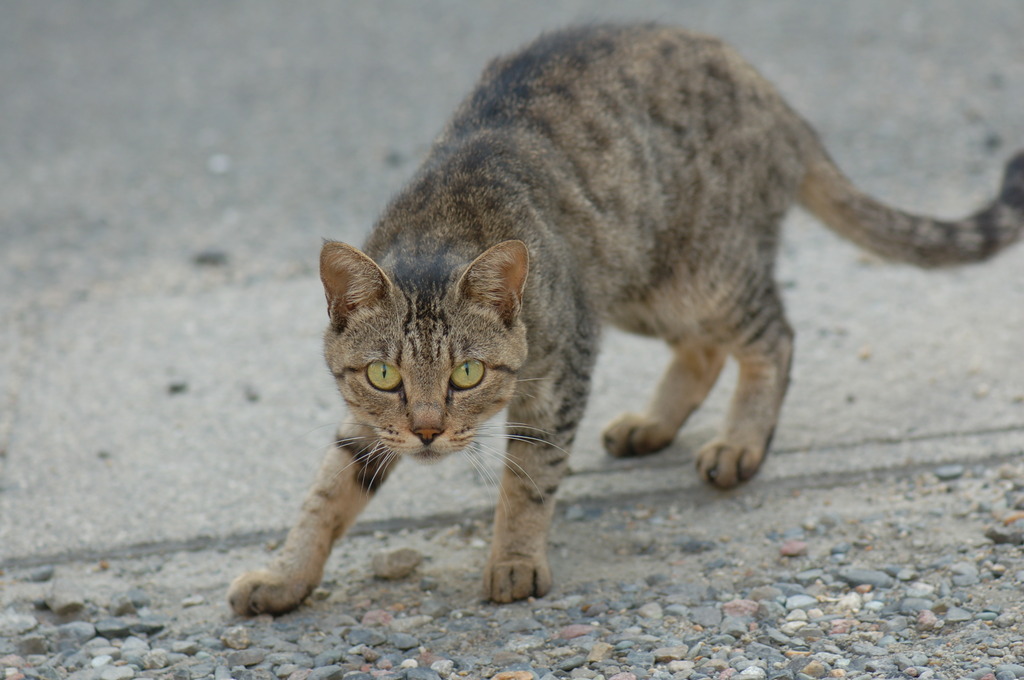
x,y
117,673
666,654
210,258
575,630
949,472
187,647
927,619
873,577
396,564
155,659
14,624
113,628
651,610
121,605
793,548
377,617
599,652
332,672
236,637
246,657
41,574
80,631
814,669
571,663
139,598
29,645
64,599
800,602
403,641
444,667
740,608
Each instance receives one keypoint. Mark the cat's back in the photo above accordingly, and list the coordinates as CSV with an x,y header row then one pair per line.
x,y
609,71
622,143
647,136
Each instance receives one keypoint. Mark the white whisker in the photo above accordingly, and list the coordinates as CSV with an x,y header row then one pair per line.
x,y
480,466
373,451
525,438
513,467
512,423
486,473
386,461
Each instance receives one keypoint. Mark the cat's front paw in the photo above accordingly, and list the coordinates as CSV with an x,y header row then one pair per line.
x,y
725,465
266,592
635,435
516,578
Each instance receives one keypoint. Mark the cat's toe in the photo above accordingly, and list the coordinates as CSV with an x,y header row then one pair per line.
x,y
508,580
265,592
632,435
725,465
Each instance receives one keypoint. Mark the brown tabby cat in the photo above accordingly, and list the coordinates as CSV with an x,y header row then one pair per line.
x,y
631,174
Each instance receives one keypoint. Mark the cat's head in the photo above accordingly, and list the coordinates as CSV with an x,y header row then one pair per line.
x,y
424,352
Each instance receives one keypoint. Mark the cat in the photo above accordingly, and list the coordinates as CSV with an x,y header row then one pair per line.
x,y
634,174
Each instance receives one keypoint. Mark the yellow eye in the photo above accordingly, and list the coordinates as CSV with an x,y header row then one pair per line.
x,y
468,374
383,376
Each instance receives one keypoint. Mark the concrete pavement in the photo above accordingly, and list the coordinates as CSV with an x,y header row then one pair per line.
x,y
167,171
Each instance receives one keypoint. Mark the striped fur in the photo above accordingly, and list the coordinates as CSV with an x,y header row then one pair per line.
x,y
635,175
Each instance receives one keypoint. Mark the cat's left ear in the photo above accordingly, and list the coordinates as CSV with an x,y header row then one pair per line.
x,y
351,279
497,278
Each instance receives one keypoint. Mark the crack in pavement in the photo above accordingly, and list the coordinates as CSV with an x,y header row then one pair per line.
x,y
689,494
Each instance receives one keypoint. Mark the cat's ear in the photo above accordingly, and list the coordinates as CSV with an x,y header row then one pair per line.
x,y
351,279
497,278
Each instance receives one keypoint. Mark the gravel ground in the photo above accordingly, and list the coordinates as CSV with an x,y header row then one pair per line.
x,y
762,583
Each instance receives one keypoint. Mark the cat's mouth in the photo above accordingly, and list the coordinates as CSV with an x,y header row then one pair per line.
x,y
438,449
429,454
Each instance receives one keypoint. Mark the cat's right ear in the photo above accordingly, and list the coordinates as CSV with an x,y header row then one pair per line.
x,y
351,279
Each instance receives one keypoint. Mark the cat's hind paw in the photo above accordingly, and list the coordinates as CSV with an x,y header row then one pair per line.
x,y
516,578
632,435
266,592
725,465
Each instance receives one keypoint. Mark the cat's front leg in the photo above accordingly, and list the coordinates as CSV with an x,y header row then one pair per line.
x,y
349,475
518,565
542,425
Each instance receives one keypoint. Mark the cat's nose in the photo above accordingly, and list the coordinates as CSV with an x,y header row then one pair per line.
x,y
427,434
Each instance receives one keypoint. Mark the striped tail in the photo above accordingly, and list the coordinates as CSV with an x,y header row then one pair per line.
x,y
922,241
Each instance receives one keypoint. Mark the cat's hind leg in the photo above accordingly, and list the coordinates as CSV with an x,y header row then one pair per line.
x,y
351,471
691,375
763,347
